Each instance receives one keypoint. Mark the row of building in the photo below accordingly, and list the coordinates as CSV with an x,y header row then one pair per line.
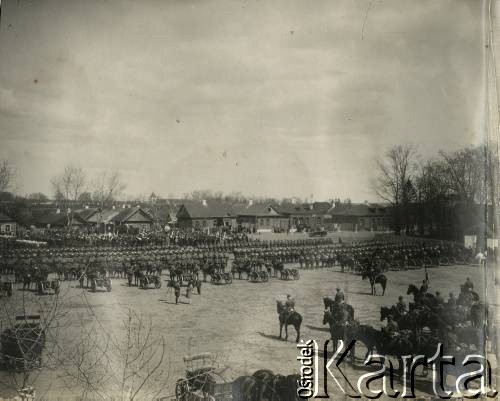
x,y
276,217
210,215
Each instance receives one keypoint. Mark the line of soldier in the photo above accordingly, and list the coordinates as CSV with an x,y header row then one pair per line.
x,y
383,254
69,262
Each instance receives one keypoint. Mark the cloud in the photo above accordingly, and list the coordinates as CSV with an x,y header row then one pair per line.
x,y
291,91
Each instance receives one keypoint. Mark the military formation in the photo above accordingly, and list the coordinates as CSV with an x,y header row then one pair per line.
x,y
224,260
384,255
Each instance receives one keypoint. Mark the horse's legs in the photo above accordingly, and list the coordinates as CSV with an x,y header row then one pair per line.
x,y
281,328
383,290
297,329
286,331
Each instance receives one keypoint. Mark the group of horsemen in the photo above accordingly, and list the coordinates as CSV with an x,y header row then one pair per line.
x,y
439,303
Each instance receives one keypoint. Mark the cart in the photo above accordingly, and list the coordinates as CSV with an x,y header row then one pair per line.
x,y
100,284
256,276
150,281
48,287
22,345
205,380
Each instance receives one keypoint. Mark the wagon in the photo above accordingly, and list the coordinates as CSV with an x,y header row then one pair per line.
x,y
150,281
205,380
290,274
221,278
258,277
100,284
22,345
6,288
48,287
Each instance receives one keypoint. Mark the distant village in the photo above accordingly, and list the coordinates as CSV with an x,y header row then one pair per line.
x,y
450,196
203,215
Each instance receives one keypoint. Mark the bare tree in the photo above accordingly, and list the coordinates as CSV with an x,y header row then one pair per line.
x,y
7,175
70,184
394,182
106,187
465,173
125,363
68,187
30,340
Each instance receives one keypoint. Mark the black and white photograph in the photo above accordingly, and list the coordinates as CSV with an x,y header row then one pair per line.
x,y
249,200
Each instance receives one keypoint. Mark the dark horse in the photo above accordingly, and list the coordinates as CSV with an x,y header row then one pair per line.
x,y
339,329
375,278
294,319
265,385
330,304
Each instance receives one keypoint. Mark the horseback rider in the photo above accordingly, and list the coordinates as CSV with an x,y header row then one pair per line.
x,y
452,301
339,296
468,284
289,307
392,328
439,300
424,287
401,306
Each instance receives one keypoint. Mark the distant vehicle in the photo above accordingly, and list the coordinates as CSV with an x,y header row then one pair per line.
x,y
320,233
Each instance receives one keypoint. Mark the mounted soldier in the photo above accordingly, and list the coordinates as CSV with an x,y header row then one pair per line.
x,y
401,306
289,307
468,285
392,328
339,296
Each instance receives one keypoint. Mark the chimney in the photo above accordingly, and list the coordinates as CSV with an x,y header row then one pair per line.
x,y
204,202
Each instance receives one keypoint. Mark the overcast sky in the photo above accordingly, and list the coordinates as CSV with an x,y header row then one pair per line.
x,y
275,98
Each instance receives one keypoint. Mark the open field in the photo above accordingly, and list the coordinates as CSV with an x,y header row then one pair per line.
x,y
237,321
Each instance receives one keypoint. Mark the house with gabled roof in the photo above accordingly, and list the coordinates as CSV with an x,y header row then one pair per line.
x,y
206,215
8,226
59,220
307,216
261,218
135,217
361,216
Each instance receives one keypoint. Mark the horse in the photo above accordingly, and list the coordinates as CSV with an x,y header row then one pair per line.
x,y
264,385
478,314
285,388
375,278
278,268
245,389
405,322
340,329
331,304
420,298
294,319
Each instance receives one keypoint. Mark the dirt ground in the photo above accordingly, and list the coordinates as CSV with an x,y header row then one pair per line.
x,y
238,322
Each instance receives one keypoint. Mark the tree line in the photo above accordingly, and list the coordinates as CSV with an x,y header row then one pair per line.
x,y
448,195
